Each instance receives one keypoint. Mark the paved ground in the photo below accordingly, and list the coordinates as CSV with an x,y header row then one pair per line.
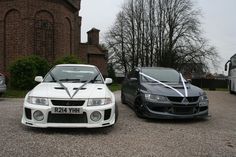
x,y
131,136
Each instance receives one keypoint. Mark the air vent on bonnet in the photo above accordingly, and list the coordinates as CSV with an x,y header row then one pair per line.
x,y
178,87
61,88
80,89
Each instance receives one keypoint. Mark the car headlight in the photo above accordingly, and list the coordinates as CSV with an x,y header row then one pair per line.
x,y
38,101
156,98
99,102
203,100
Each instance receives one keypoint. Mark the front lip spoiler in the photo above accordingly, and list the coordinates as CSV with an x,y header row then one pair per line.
x,y
163,115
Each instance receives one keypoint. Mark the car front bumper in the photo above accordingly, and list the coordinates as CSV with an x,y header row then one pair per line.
x,y
170,111
62,120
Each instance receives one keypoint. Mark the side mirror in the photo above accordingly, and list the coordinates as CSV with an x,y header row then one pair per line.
x,y
38,79
108,81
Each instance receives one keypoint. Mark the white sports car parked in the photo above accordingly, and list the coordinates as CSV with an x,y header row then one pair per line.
x,y
70,95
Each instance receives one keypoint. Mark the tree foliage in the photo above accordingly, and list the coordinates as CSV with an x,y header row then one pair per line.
x,y
68,60
158,33
24,70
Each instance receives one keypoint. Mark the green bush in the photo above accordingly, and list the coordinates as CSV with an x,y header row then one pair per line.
x,y
24,70
68,60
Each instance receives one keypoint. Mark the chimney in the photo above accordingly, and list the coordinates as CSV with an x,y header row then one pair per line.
x,y
93,36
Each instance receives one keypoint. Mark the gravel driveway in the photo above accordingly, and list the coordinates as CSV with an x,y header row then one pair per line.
x,y
131,136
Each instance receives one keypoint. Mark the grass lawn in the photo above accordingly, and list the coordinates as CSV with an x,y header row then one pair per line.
x,y
115,87
13,93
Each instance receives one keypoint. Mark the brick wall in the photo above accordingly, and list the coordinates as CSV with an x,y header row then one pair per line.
x,y
48,28
17,28
95,55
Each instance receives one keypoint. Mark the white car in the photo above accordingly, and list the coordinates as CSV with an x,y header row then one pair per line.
x,y
70,95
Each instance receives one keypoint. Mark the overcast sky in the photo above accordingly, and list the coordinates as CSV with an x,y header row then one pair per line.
x,y
218,22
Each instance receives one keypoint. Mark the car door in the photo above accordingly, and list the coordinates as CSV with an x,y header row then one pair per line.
x,y
126,87
133,85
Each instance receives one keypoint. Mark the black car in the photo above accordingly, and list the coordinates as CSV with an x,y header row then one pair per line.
x,y
156,92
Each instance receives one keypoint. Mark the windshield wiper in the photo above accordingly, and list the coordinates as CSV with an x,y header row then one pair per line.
x,y
89,80
74,80
93,80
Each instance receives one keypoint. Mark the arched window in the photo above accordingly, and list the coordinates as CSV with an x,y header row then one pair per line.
x,y
12,37
68,36
44,35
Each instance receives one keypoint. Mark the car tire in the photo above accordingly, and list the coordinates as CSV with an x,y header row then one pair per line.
x,y
137,108
123,101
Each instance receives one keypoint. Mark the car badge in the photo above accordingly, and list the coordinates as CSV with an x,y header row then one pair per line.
x,y
185,101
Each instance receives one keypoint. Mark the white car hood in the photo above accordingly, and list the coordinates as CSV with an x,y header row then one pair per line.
x,y
54,90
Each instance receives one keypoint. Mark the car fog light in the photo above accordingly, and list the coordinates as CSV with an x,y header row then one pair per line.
x,y
38,115
95,116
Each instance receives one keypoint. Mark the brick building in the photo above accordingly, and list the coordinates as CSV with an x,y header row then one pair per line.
x,y
47,28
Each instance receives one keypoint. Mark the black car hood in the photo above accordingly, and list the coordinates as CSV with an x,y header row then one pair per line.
x,y
156,88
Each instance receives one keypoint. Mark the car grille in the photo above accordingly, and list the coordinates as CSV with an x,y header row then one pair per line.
x,y
192,99
175,99
183,110
67,102
180,99
67,118
178,110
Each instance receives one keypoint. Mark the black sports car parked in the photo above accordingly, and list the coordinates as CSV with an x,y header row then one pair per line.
x,y
156,92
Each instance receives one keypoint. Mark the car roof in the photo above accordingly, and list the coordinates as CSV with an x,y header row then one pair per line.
x,y
81,65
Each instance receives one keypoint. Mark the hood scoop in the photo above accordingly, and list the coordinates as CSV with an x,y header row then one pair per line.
x,y
178,86
80,89
60,88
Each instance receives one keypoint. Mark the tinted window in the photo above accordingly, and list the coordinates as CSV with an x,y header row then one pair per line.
x,y
163,75
74,74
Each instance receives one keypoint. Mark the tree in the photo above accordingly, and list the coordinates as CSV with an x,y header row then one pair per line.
x,y
158,33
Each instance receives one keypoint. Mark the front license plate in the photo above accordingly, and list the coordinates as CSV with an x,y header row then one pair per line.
x,y
66,110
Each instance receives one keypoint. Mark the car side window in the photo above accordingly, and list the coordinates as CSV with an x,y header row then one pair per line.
x,y
133,74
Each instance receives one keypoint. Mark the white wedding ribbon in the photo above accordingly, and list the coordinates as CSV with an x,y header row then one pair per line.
x,y
185,88
182,80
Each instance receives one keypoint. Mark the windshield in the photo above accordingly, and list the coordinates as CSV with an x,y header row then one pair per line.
x,y
163,75
74,74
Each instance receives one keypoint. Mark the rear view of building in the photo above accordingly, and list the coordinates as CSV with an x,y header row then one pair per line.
x,y
47,28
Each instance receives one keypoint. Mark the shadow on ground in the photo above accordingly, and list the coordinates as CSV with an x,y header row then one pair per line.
x,y
69,131
178,121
